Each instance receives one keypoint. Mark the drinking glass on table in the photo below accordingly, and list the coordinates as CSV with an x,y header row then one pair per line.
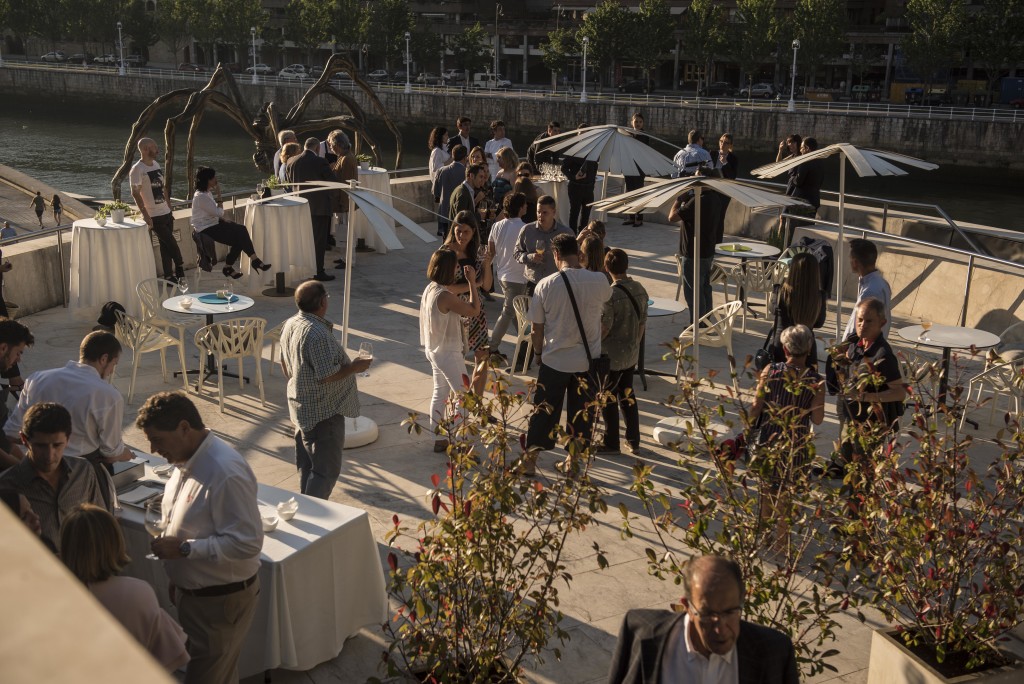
x,y
926,325
231,294
155,521
183,285
259,189
365,352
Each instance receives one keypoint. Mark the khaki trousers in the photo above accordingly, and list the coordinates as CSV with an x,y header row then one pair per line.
x,y
216,627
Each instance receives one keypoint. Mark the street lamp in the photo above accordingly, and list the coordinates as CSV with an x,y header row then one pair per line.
x,y
252,30
583,92
408,84
120,46
497,13
791,107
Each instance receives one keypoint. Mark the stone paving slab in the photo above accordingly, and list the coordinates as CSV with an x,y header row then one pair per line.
x,y
392,475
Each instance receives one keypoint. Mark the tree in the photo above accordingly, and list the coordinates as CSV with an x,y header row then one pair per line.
x,y
233,19
754,34
141,26
561,43
652,29
470,50
308,24
704,33
425,47
820,25
936,33
383,29
172,25
995,37
607,28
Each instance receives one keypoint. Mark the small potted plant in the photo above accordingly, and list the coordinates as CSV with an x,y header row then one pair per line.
x,y
101,216
476,587
364,160
937,541
115,210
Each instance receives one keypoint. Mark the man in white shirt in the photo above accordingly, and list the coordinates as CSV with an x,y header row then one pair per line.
x,y
96,407
211,547
511,274
870,282
491,147
147,181
562,351
704,641
689,159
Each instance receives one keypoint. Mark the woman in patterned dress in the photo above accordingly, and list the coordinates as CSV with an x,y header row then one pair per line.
x,y
464,240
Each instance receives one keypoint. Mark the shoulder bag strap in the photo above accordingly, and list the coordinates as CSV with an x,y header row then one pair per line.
x,y
632,300
775,324
579,321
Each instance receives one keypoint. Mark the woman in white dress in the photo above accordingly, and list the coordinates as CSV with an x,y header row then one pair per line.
x,y
441,313
438,147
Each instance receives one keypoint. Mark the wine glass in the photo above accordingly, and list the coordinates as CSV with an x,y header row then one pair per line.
x,y
260,187
231,294
183,285
926,325
365,352
542,246
155,521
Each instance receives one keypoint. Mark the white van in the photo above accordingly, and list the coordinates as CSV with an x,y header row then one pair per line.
x,y
488,81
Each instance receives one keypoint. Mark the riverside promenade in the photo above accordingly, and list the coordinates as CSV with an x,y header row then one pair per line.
x,y
392,475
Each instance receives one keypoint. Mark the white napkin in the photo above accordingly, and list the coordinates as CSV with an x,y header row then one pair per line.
x,y
140,494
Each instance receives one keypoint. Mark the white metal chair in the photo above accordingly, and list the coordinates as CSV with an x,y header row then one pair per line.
x,y
152,293
143,337
757,276
521,305
274,337
1002,379
234,338
716,332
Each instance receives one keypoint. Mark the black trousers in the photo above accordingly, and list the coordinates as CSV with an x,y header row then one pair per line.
x,y
321,231
552,386
579,213
634,183
170,253
619,381
235,236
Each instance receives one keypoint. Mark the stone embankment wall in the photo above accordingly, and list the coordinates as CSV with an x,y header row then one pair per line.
x,y
944,141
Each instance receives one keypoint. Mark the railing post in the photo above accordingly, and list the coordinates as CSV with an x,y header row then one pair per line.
x,y
885,215
60,259
967,290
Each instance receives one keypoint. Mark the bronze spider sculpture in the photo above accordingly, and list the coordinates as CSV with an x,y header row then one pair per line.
x,y
262,128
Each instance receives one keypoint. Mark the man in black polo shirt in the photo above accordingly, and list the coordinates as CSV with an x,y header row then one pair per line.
x,y
867,375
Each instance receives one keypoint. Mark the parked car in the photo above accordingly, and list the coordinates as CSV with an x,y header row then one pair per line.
x,y
490,81
937,97
191,68
717,89
291,73
301,68
55,56
1017,103
377,75
427,78
765,90
106,59
453,75
135,61
399,76
261,69
637,85
80,57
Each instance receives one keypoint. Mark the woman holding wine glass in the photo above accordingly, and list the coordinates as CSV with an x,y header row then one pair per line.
x,y
93,549
464,240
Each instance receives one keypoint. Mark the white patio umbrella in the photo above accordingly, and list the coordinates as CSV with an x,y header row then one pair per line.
x,y
614,149
866,162
664,192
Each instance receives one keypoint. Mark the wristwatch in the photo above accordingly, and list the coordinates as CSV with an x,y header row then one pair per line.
x,y
185,549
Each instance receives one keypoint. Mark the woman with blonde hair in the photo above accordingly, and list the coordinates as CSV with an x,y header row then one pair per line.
x,y
524,184
501,185
292,149
92,547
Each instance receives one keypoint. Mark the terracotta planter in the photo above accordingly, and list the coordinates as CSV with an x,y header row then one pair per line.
x,y
892,663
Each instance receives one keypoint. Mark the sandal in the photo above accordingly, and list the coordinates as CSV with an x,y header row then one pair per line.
x,y
259,265
230,272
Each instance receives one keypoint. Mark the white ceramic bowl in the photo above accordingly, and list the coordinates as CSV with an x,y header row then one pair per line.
x,y
186,303
270,522
163,471
287,510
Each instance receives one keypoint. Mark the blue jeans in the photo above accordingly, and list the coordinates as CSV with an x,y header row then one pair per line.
x,y
318,456
704,289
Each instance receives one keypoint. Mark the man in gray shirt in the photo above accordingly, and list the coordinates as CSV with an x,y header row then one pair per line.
x,y
533,249
444,184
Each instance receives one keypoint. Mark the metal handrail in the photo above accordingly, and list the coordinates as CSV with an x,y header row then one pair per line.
x,y
58,231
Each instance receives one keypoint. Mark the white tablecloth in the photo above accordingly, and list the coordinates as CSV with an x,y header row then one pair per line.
x,y
108,262
560,191
282,234
373,178
321,580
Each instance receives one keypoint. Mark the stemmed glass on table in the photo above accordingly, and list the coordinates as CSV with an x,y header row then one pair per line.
x,y
926,325
231,293
365,352
155,521
260,187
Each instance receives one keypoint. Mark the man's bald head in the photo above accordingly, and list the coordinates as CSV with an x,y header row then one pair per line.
x,y
706,570
310,296
147,148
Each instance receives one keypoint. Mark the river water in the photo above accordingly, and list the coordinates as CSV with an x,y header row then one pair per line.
x,y
77,145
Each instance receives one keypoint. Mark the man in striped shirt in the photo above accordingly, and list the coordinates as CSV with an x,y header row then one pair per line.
x,y
321,389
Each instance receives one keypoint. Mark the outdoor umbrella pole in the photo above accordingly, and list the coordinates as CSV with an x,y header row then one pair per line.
x,y
695,256
839,246
350,241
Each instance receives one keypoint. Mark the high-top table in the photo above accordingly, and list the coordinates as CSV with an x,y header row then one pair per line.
x,y
378,179
947,338
199,308
321,579
282,235
560,191
744,251
107,262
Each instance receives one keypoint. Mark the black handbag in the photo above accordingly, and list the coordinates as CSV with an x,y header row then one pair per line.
x,y
601,367
764,356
